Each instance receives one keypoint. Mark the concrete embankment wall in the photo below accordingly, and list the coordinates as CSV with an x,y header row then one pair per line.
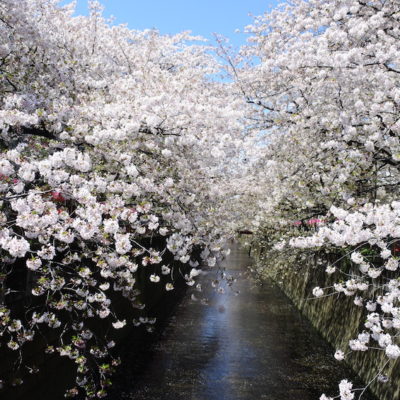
x,y
337,318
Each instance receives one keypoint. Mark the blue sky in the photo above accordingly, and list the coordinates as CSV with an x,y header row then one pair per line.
x,y
202,17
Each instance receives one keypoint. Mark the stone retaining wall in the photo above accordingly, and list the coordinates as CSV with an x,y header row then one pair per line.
x,y
336,318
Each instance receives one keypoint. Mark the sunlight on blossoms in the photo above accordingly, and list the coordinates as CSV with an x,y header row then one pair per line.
x,y
133,162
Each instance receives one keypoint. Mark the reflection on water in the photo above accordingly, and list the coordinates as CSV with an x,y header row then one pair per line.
x,y
247,347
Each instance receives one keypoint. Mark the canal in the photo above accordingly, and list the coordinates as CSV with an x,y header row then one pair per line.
x,y
250,346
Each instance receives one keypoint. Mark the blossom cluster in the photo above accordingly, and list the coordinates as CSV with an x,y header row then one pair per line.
x,y
109,137
324,99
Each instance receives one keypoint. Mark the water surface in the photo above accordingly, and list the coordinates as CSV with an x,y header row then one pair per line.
x,y
248,347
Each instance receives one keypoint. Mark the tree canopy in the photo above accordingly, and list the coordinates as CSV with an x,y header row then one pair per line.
x,y
110,136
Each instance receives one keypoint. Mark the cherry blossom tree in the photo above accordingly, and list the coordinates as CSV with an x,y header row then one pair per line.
x,y
325,98
109,137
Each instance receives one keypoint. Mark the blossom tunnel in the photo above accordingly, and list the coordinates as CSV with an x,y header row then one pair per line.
x,y
130,160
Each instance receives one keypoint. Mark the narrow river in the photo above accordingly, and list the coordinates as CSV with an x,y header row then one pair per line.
x,y
250,346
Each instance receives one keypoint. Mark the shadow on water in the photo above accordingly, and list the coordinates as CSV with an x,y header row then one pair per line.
x,y
247,347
